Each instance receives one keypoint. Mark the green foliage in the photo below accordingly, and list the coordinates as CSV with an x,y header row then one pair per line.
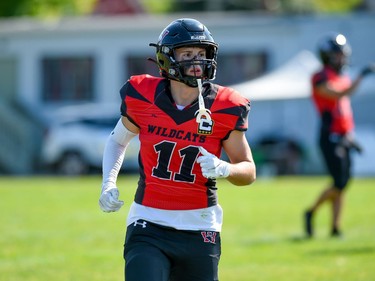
x,y
61,8
46,8
53,229
11,8
157,6
297,6
334,6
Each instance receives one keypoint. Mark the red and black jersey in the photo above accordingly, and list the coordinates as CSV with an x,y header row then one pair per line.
x,y
336,112
170,178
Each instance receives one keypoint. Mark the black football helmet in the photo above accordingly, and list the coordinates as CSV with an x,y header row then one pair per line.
x,y
334,50
185,33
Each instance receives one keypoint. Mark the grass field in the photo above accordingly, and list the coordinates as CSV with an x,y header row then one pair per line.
x,y
52,229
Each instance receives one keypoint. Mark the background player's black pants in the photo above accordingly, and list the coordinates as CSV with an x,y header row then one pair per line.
x,y
337,158
156,253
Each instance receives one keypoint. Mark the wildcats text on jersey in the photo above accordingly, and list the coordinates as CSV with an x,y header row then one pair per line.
x,y
176,134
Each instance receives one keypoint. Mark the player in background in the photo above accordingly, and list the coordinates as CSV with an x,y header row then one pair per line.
x,y
183,122
331,91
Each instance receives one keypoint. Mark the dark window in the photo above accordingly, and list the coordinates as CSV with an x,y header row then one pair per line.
x,y
239,67
67,78
141,65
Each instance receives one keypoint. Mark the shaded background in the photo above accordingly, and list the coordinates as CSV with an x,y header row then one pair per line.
x,y
63,62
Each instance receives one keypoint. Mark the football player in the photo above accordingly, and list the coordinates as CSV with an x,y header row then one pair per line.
x,y
331,91
183,122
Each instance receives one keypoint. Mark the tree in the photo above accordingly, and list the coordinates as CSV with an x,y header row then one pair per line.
x,y
45,8
11,8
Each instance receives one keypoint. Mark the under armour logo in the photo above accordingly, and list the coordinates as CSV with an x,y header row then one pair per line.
x,y
209,237
140,223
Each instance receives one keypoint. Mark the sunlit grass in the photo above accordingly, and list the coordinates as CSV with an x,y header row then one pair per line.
x,y
53,229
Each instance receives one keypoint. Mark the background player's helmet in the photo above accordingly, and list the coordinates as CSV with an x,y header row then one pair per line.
x,y
334,50
185,33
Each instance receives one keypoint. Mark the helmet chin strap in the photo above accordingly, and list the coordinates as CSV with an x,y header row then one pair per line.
x,y
202,113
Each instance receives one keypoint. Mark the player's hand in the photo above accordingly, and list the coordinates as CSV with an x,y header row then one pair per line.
x,y
211,166
368,69
351,143
108,200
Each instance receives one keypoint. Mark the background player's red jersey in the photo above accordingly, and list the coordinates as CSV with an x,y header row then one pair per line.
x,y
336,112
170,178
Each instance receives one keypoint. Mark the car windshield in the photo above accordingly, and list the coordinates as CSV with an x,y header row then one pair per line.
x,y
99,122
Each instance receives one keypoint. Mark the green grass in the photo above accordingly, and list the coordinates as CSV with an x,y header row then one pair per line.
x,y
52,229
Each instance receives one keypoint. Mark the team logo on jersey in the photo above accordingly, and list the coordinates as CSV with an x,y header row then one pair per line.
x,y
209,237
205,126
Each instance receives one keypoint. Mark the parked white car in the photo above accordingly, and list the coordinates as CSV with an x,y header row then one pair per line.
x,y
75,140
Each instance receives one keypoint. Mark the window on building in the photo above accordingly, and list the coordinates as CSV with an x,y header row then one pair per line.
x,y
232,68
67,78
138,64
240,67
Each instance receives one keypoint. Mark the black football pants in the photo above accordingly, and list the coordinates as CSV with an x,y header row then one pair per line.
x,y
157,253
337,158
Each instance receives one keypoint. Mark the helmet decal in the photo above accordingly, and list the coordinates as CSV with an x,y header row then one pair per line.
x,y
163,34
198,37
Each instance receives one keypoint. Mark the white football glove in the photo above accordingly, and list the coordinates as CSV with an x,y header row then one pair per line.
x,y
108,200
211,166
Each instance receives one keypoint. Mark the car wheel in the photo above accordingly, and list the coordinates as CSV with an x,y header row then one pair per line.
x,y
72,164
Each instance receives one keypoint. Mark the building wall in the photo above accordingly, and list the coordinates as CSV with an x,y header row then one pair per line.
x,y
110,39
8,68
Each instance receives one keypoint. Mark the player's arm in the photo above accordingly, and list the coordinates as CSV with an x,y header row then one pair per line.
x,y
241,169
326,90
113,158
129,125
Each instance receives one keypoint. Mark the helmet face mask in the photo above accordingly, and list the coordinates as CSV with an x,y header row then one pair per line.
x,y
335,51
185,33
